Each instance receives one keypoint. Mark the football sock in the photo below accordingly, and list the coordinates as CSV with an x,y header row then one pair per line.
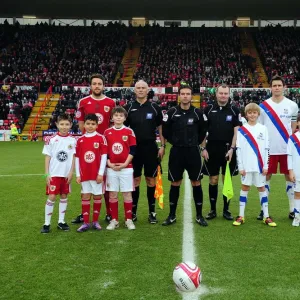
x,y
226,203
113,204
48,211
96,209
174,196
128,209
267,186
297,208
151,199
106,197
85,204
243,201
135,199
198,199
264,203
290,194
213,196
63,203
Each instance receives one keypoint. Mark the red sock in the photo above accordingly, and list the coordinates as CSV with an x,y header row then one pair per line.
x,y
113,204
106,196
85,204
128,210
96,209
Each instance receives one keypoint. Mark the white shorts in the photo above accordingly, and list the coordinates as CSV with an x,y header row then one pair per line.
x,y
254,178
296,186
120,180
92,187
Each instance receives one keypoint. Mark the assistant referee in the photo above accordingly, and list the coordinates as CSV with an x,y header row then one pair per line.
x,y
223,123
145,118
184,127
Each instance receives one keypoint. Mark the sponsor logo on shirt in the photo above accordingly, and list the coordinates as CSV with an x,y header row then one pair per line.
x,y
89,156
62,156
100,118
117,148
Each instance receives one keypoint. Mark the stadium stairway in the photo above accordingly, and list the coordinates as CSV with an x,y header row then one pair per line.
x,y
43,122
248,47
129,61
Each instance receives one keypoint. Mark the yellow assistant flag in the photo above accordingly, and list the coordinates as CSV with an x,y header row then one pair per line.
x,y
159,192
227,186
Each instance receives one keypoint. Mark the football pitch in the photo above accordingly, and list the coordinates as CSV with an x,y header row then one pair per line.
x,y
252,261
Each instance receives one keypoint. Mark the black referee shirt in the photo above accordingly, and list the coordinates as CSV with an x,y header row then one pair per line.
x,y
184,128
221,121
143,119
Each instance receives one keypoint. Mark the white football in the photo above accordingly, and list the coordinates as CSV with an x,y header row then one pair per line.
x,y
187,276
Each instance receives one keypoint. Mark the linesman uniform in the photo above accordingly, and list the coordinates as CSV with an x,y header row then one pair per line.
x,y
221,121
185,131
144,119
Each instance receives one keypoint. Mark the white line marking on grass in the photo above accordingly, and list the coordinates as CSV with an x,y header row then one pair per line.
x,y
16,175
188,242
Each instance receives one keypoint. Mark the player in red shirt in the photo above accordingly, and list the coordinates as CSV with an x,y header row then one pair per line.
x,y
121,144
100,105
90,163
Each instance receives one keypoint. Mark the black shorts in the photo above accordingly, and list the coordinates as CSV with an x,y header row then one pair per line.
x,y
216,152
145,156
184,158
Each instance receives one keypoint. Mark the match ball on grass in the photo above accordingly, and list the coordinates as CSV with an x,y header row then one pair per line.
x,y
187,276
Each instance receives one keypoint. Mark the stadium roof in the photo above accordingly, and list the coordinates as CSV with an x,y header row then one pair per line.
x,y
154,9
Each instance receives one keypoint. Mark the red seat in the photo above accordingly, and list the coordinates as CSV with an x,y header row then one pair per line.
x,y
6,123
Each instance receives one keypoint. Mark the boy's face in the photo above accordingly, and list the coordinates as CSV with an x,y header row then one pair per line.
x,y
252,115
90,126
118,118
63,126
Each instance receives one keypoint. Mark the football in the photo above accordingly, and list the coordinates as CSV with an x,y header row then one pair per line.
x,y
187,276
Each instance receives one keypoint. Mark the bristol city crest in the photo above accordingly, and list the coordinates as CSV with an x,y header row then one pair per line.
x,y
106,108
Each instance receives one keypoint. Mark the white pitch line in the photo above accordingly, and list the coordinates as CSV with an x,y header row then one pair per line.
x,y
16,175
188,241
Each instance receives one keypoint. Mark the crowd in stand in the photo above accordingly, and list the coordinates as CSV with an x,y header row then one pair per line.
x,y
16,106
60,55
279,49
200,56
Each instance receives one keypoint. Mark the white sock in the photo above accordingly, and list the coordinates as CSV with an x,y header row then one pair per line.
x,y
264,203
243,201
48,211
297,208
290,194
267,186
62,210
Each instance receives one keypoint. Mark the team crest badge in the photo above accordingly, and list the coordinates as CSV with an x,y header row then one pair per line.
x,y
125,138
106,108
52,188
96,145
285,111
70,147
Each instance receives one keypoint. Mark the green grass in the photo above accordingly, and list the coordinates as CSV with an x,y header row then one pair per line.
x,y
252,261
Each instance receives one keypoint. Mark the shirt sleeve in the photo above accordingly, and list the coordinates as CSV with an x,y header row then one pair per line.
x,y
80,115
295,113
132,138
159,117
239,152
266,150
47,150
290,156
236,117
103,145
261,117
166,125
202,126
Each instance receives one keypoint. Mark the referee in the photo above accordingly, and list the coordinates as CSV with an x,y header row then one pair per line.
x,y
223,123
184,127
145,118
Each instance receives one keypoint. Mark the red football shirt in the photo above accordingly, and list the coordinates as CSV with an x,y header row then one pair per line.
x,y
89,149
118,144
102,108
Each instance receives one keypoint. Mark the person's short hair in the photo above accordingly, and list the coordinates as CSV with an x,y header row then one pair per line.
x,y
91,117
97,76
184,85
252,107
64,117
277,78
223,85
119,110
